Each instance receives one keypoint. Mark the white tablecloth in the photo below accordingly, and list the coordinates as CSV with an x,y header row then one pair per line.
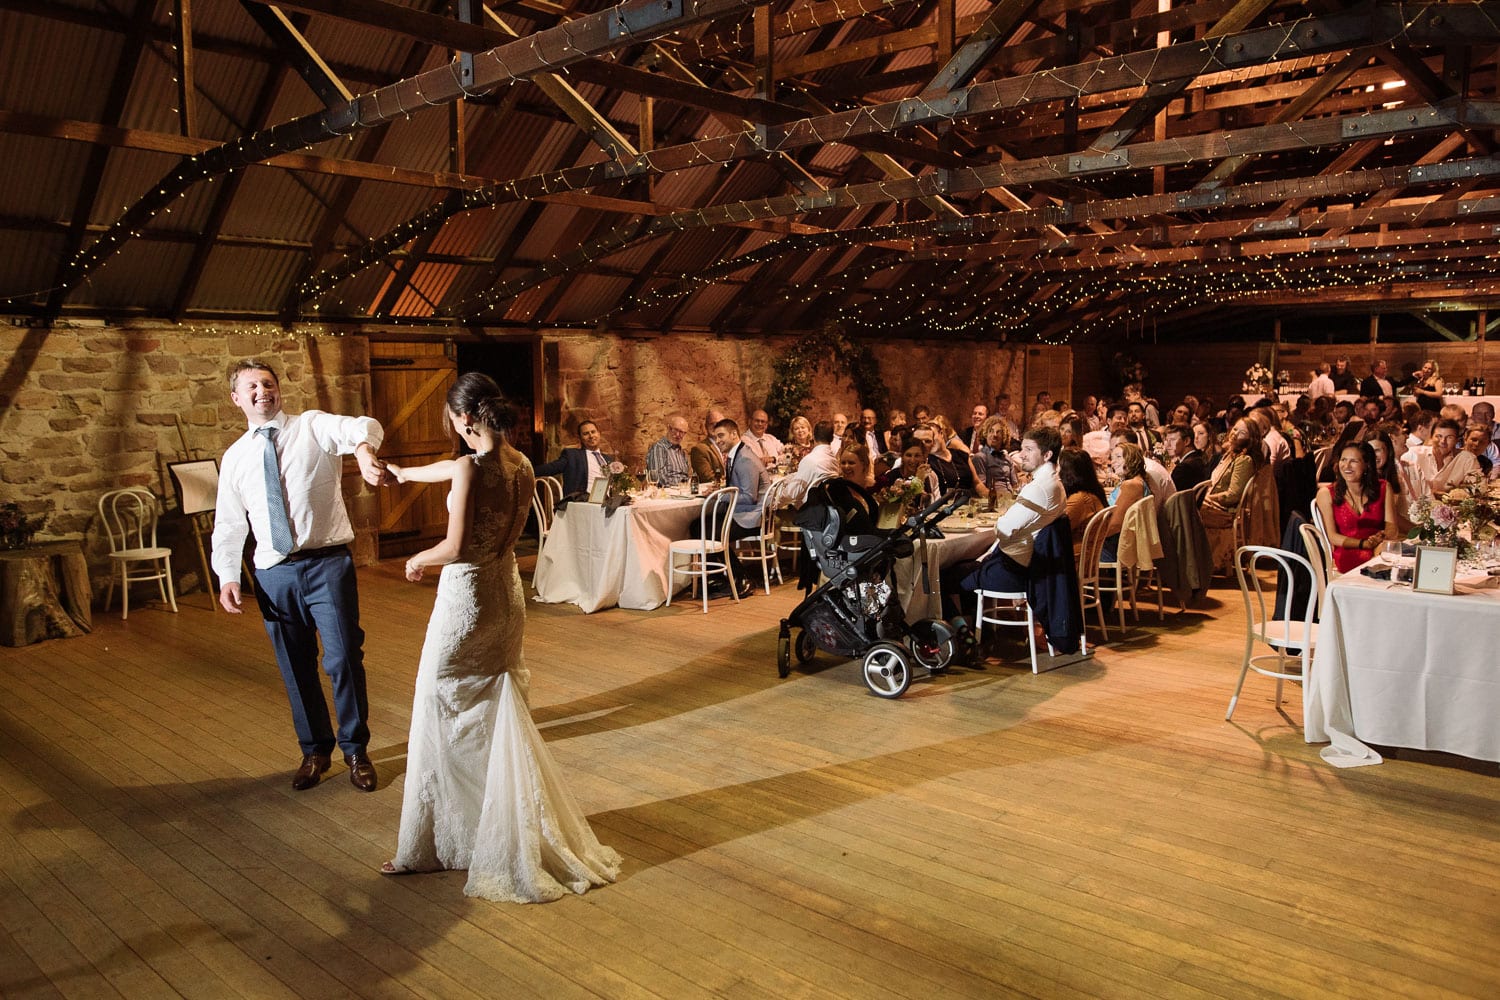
x,y
935,553
598,562
1404,669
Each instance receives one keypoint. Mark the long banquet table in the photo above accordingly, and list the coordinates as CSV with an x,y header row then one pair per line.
x,y
598,562
1406,669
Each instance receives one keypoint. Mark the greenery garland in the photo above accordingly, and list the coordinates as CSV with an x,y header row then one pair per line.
x,y
830,347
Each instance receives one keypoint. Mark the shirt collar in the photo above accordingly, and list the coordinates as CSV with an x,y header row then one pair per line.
x,y
278,422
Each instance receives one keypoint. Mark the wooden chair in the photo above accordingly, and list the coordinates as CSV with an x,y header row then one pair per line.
x,y
1088,569
129,517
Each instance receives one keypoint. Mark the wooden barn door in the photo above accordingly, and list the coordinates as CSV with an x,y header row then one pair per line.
x,y
408,381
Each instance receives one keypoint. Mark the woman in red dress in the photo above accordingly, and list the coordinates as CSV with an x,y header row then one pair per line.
x,y
1357,511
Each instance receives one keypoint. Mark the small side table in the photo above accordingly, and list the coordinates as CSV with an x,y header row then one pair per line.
x,y
44,593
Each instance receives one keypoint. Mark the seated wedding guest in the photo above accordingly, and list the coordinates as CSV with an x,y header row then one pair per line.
x,y
1135,421
666,461
883,463
989,464
870,434
767,447
1344,379
1156,473
1340,415
1419,429
912,464
1356,508
895,430
744,471
1085,497
1477,443
1129,464
1188,465
1281,419
1427,386
1377,384
920,414
1446,465
799,440
955,443
1370,410
970,436
821,461
1181,415
1483,412
939,458
1090,413
706,460
1097,443
1278,451
840,423
582,465
1072,427
1243,457
1206,443
1397,489
1322,383
855,467
850,490
1040,502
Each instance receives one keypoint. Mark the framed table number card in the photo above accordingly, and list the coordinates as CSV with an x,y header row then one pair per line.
x,y
1435,569
599,489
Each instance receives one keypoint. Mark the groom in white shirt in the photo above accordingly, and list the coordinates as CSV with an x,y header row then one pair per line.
x,y
281,479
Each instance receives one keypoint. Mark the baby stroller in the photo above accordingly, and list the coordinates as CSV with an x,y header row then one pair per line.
x,y
855,612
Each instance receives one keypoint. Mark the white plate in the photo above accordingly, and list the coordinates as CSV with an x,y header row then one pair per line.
x,y
957,526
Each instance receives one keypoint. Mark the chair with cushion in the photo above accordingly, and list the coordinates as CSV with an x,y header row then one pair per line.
x,y
709,553
1292,632
129,517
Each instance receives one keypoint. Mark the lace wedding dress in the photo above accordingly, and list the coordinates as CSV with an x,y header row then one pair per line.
x,y
482,791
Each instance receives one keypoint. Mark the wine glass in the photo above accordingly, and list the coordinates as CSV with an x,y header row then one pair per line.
x,y
1391,552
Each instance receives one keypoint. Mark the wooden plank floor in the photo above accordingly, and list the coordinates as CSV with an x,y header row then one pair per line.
x,y
1096,831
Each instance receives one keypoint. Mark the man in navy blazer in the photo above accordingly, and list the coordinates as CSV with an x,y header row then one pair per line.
x,y
579,466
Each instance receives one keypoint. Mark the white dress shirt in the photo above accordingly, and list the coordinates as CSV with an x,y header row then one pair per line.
x,y
1040,502
818,464
765,446
308,446
1320,386
1160,479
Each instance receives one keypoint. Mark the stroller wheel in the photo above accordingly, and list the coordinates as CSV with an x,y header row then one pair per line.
x,y
932,644
783,656
887,670
806,648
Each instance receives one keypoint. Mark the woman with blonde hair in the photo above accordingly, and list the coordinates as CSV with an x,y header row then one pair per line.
x,y
1244,455
1428,386
799,440
1129,464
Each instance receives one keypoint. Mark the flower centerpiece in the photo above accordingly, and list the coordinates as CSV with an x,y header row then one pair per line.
x,y
1472,507
902,496
16,528
621,482
1257,379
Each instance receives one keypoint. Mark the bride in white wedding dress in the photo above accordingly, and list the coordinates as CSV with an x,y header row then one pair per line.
x,y
482,791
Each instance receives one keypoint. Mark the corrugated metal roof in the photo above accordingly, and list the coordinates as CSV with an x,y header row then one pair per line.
x,y
244,278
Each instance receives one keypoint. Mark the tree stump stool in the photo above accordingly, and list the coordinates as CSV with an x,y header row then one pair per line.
x,y
44,593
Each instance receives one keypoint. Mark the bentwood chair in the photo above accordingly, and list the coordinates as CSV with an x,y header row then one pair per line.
x,y
1089,587
764,546
1320,554
129,517
544,507
708,553
1291,632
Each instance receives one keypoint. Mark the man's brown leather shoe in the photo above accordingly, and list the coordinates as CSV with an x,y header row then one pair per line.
x,y
361,771
311,771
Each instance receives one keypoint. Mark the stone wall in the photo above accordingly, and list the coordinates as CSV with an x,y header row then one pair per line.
x,y
630,385
89,408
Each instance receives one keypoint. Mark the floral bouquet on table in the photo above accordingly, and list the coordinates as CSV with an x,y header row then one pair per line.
x,y
16,528
901,498
1472,507
1257,379
621,483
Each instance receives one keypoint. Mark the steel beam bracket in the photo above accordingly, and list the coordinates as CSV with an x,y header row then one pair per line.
x,y
1118,159
1395,122
921,110
631,19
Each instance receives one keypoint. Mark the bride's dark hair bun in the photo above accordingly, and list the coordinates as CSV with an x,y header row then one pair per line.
x,y
476,395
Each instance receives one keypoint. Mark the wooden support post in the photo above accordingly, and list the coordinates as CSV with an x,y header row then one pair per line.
x,y
1374,334
187,91
945,31
1479,325
1275,344
458,147
765,63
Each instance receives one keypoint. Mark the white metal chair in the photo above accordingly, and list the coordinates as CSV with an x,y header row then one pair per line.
x,y
1123,579
793,493
129,517
717,513
763,546
1317,521
1006,608
1088,569
1293,629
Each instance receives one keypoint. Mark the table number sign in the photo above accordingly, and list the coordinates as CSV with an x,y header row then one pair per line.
x,y
1435,569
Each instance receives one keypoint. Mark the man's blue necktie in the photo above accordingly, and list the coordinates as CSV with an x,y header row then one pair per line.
x,y
281,526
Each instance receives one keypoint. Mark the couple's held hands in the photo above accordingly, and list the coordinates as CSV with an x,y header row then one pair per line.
x,y
375,471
